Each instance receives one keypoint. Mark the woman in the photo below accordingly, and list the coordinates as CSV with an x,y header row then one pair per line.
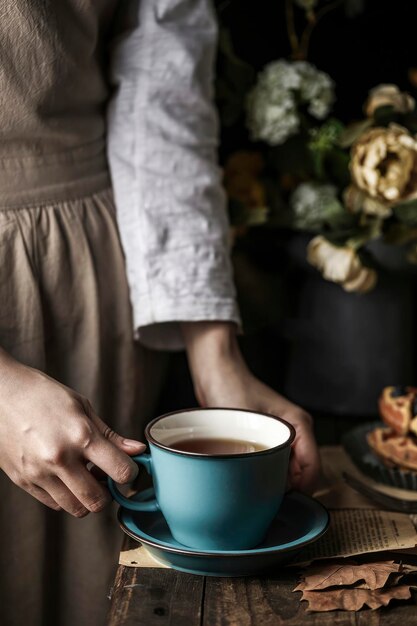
x,y
73,379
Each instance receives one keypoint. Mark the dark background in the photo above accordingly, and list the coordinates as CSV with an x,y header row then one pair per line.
x,y
377,45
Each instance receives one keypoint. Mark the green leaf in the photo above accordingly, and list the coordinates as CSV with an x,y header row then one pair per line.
x,y
406,212
338,167
318,159
337,217
322,144
324,137
353,132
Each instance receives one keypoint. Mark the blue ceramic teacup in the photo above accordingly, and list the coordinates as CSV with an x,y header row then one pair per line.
x,y
216,501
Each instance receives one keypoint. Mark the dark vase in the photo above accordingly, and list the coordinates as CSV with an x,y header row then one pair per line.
x,y
345,347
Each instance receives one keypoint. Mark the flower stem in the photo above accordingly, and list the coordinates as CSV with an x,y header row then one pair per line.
x,y
308,31
292,33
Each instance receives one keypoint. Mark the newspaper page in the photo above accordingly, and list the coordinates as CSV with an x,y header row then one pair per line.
x,y
361,531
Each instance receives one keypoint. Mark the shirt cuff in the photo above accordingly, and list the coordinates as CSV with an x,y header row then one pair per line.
x,y
163,331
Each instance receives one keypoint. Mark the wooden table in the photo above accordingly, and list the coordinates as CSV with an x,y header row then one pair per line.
x,y
158,597
152,596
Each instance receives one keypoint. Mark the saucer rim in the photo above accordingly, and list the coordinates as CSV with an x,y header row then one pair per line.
x,y
232,553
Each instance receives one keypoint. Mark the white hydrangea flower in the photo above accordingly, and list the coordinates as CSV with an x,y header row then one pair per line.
x,y
312,202
317,88
273,103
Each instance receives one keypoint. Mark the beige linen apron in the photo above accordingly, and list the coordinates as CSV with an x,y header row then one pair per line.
x,y
64,302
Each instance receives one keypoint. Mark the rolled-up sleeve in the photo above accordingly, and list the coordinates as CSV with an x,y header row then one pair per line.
x,y
162,149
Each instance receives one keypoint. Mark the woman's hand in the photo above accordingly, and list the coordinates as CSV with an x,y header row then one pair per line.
x,y
48,435
222,378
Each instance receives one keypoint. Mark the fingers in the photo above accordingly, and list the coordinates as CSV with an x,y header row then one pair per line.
x,y
106,452
44,497
86,489
96,472
63,497
72,487
305,465
130,446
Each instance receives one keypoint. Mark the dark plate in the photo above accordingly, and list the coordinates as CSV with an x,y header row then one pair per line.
x,y
362,455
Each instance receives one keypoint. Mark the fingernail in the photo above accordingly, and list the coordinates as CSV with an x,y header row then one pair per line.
x,y
131,443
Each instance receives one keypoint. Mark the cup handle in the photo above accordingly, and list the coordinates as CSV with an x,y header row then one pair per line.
x,y
128,503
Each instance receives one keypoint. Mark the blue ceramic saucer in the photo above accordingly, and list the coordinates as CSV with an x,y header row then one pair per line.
x,y
300,521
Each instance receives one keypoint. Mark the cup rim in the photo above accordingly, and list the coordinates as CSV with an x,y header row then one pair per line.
x,y
162,446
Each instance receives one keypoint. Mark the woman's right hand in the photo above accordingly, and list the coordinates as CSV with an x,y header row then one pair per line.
x,y
48,435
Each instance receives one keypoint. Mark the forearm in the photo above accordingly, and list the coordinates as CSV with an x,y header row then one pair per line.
x,y
222,378
212,348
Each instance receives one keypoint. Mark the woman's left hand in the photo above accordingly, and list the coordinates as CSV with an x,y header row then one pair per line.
x,y
222,378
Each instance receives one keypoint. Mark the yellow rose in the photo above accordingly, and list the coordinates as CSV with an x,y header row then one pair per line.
x,y
356,200
340,265
388,95
384,164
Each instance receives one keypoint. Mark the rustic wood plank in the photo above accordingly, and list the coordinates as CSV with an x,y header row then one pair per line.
x,y
152,596
393,615
266,601
271,602
159,596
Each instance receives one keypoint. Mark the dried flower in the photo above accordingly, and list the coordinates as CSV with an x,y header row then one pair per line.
x,y
273,103
384,164
356,200
388,95
340,264
241,178
244,161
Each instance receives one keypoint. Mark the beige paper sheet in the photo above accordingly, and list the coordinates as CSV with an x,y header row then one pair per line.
x,y
362,531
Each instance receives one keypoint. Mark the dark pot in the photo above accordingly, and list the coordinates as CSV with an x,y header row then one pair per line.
x,y
345,347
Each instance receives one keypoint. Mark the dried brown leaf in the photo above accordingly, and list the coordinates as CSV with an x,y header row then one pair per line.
x,y
354,599
374,575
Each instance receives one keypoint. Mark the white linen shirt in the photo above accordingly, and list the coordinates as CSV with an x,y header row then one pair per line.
x,y
162,150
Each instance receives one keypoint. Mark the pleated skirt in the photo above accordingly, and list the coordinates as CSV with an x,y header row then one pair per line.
x,y
64,309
